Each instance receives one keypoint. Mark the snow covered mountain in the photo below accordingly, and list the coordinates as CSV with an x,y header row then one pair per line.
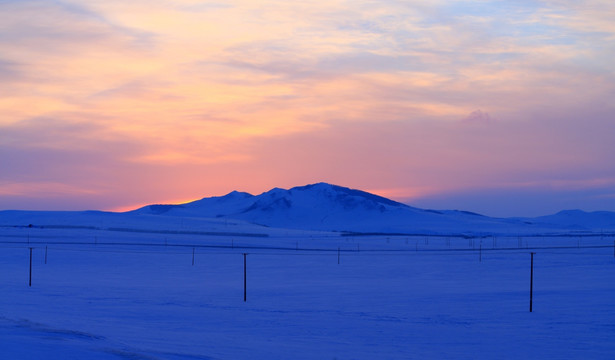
x,y
579,220
316,207
329,207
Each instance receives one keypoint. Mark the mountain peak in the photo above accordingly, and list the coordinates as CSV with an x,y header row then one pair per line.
x,y
237,194
348,192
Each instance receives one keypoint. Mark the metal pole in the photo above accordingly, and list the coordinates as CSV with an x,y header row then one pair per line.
x,y
245,282
480,252
30,281
531,279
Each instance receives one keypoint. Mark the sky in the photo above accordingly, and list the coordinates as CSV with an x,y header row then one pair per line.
x,y
499,107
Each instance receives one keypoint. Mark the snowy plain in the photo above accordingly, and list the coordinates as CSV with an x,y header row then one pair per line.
x,y
131,295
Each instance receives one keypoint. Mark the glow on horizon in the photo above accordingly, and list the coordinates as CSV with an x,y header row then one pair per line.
x,y
109,104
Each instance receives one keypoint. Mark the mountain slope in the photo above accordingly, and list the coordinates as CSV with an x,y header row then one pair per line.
x,y
329,207
318,207
579,220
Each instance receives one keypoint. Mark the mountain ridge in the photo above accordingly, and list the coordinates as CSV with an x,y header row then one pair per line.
x,y
328,207
315,208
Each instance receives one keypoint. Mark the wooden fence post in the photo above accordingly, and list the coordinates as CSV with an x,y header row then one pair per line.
x,y
245,281
531,279
30,281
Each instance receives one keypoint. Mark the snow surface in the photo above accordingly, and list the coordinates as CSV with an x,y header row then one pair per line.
x,y
133,295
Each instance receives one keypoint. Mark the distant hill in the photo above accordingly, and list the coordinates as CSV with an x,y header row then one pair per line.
x,y
579,220
330,207
317,207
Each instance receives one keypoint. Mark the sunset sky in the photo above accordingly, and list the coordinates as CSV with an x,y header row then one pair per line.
x,y
506,108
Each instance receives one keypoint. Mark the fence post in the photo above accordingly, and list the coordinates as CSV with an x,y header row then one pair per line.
x,y
245,281
480,252
531,279
30,281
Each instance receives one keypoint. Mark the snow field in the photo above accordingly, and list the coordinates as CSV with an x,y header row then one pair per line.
x,y
100,301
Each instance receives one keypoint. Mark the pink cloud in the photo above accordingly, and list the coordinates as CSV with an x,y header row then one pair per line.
x,y
478,117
